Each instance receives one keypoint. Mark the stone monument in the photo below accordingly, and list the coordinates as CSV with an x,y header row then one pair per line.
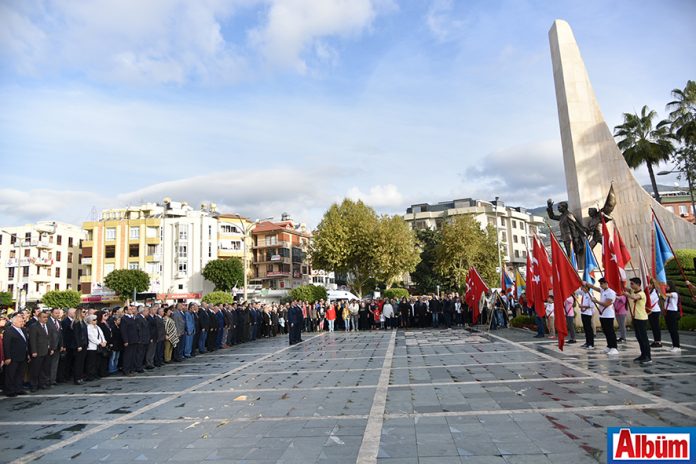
x,y
592,159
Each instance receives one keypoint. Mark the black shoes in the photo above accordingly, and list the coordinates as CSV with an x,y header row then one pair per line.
x,y
656,344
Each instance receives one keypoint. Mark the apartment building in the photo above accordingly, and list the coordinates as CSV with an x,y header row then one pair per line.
x,y
280,255
37,258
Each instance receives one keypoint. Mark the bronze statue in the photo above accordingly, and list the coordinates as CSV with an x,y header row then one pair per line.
x,y
572,231
594,223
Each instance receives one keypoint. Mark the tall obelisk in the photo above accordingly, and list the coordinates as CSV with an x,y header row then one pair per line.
x,y
592,159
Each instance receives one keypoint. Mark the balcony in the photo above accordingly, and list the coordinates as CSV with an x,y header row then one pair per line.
x,y
277,274
42,244
43,261
279,244
87,261
12,262
42,278
274,259
85,279
154,258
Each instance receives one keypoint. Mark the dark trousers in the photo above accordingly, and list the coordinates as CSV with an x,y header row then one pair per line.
x,y
92,363
150,354
448,319
40,371
54,364
159,353
14,376
570,323
129,354
202,338
608,329
589,330
540,325
654,318
641,328
79,364
67,365
140,349
672,321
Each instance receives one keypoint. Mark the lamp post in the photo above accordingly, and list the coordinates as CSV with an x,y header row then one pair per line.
x,y
19,244
689,182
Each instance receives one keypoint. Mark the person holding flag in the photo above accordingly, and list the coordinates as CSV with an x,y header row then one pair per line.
x,y
636,302
569,309
606,313
672,315
586,312
654,312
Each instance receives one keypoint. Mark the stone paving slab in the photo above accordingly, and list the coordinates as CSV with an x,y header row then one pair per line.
x,y
449,396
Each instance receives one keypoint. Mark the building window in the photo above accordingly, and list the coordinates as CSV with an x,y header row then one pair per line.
x,y
56,287
13,239
151,232
183,267
27,252
69,273
502,222
58,255
108,268
517,253
524,254
210,250
110,233
10,273
183,231
683,210
70,242
503,236
135,233
229,229
110,251
69,256
133,266
25,271
133,251
181,286
514,224
59,240
514,238
183,251
57,272
523,240
152,250
27,237
210,232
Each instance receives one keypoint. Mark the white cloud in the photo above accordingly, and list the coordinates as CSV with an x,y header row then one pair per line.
x,y
379,196
296,26
443,22
26,206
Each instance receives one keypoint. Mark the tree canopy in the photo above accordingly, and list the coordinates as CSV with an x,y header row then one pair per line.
x,y
127,281
218,298
352,239
61,299
5,298
425,277
310,293
225,274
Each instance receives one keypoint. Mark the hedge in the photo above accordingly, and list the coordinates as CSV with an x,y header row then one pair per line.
x,y
686,259
309,293
396,293
523,321
217,298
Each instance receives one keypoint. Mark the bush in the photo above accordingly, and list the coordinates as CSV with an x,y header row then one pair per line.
x,y
523,321
308,293
686,259
218,298
62,299
688,322
396,293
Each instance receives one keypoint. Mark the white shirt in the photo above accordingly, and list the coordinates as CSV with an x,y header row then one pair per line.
x,y
388,310
95,337
672,301
586,304
654,306
607,295
549,309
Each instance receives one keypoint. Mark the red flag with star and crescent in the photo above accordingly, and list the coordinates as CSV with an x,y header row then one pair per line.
x,y
540,277
610,261
565,283
475,286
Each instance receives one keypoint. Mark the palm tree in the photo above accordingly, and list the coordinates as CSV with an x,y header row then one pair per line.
x,y
683,113
641,143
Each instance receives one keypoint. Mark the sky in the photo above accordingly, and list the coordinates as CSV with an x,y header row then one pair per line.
x,y
272,106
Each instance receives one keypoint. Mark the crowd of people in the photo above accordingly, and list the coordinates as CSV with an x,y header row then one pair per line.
x,y
41,349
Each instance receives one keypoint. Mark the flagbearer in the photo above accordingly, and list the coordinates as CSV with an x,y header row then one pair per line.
x,y
636,304
672,315
569,309
606,314
586,312
654,316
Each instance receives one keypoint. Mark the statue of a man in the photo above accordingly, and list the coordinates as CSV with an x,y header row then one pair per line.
x,y
572,231
594,223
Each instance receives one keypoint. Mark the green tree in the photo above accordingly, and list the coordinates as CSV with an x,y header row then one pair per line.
x,y
309,293
127,281
425,277
5,299
225,274
396,293
396,251
465,244
218,298
643,143
683,113
345,241
61,299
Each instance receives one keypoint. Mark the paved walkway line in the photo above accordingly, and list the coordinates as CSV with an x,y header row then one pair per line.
x,y
690,412
68,441
373,431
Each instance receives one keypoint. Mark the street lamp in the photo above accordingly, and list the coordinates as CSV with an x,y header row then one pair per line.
x,y
247,229
497,236
18,244
688,180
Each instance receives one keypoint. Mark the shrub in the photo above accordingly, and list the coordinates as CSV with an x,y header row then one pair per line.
x,y
308,293
218,298
61,299
686,259
396,293
523,321
688,322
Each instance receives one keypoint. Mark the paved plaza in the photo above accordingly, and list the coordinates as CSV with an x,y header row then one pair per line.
x,y
420,396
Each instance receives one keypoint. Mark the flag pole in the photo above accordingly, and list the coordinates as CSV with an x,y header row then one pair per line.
x,y
681,269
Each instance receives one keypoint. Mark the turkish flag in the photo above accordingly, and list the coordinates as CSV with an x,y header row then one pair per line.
x,y
475,287
610,261
541,277
529,290
565,283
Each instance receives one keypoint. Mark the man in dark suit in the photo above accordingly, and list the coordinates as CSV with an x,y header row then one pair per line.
x,y
161,336
202,329
129,335
143,339
69,344
16,349
296,322
40,349
55,333
151,347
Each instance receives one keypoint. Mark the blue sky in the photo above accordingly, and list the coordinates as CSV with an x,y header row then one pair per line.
x,y
271,106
